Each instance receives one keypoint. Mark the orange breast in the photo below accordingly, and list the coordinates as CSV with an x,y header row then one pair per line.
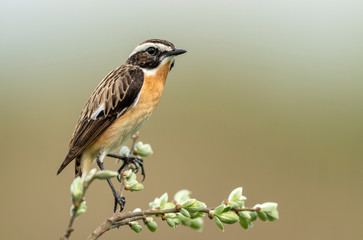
x,y
122,129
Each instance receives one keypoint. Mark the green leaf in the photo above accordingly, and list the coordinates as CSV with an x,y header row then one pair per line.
x,y
196,215
90,175
131,183
143,150
234,204
136,187
77,190
182,195
235,195
163,200
196,206
177,221
226,209
253,216
268,211
169,205
130,175
170,222
218,210
155,203
235,198
187,203
228,217
81,209
262,215
245,223
197,224
170,215
151,224
272,215
184,220
245,215
105,174
159,202
219,223
267,206
184,212
135,227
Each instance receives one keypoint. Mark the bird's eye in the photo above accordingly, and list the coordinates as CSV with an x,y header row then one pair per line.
x,y
151,50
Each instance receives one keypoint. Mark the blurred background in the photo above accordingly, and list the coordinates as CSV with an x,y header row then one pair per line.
x,y
268,97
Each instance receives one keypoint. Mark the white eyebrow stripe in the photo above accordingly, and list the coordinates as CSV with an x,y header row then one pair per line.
x,y
145,46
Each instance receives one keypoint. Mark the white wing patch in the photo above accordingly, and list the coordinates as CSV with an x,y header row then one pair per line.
x,y
98,111
138,96
136,100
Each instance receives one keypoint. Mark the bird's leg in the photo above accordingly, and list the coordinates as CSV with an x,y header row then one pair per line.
x,y
138,162
118,199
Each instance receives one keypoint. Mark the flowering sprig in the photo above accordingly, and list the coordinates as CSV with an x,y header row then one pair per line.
x,y
181,210
78,190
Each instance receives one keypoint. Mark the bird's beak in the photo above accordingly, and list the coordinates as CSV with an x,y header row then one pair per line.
x,y
176,52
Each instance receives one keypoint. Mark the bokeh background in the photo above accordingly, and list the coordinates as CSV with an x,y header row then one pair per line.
x,y
268,97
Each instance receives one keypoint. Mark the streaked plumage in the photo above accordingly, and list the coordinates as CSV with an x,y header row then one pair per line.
x,y
121,103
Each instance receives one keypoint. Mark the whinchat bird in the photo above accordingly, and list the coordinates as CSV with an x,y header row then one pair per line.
x,y
120,105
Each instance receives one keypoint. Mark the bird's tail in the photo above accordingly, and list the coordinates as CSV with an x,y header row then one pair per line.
x,y
82,165
66,161
77,167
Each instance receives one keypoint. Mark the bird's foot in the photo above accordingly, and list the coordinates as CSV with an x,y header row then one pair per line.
x,y
119,201
138,162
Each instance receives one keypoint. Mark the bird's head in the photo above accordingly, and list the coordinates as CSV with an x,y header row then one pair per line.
x,y
149,55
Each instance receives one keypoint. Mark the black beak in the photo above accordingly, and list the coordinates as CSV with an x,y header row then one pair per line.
x,y
175,52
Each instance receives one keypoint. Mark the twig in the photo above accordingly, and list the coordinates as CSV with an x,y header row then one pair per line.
x,y
121,219
134,138
118,210
70,229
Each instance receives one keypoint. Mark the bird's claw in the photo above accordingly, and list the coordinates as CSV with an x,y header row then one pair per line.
x,y
119,201
138,162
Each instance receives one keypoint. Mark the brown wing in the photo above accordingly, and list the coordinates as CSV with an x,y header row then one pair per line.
x,y
116,93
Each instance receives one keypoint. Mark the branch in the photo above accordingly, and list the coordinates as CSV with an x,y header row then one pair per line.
x,y
182,210
79,188
121,219
76,207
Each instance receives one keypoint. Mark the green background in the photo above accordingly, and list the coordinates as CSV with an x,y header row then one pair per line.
x,y
268,97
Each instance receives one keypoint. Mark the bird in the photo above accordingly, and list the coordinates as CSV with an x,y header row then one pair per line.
x,y
119,106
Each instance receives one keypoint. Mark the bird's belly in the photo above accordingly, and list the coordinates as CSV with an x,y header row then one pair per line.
x,y
125,132
122,130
